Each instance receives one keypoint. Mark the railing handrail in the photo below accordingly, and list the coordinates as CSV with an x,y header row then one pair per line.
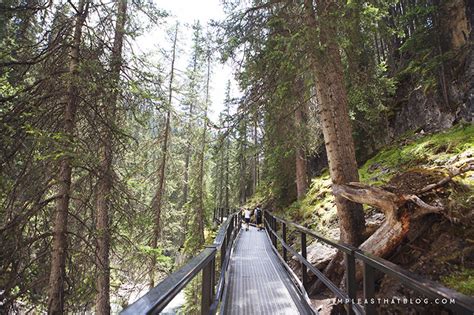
x,y
463,304
425,286
155,300
334,243
219,240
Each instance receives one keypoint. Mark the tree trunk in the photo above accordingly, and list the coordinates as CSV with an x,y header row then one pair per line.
x,y
227,168
334,116
188,144
242,161
186,170
200,212
59,247
221,177
106,172
301,168
255,156
158,199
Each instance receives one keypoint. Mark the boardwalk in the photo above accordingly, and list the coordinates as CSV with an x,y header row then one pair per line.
x,y
258,283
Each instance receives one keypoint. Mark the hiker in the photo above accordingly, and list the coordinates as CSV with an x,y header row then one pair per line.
x,y
247,215
258,217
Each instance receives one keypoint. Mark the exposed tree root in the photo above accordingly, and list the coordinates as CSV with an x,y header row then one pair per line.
x,y
400,211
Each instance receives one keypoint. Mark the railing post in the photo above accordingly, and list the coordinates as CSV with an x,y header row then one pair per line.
x,y
369,288
283,231
351,283
223,250
233,223
304,271
272,227
222,214
239,219
207,288
229,229
276,233
265,218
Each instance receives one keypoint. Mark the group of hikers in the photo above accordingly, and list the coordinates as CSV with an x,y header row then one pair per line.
x,y
257,212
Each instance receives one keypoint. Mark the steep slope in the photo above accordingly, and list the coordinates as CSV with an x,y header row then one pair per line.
x,y
442,246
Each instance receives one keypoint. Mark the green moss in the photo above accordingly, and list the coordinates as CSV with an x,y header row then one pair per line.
x,y
462,281
430,150
317,210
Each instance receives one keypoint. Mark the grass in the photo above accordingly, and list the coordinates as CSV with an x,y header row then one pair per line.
x,y
461,281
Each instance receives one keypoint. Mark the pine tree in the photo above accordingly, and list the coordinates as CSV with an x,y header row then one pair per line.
x,y
334,116
105,181
158,199
59,248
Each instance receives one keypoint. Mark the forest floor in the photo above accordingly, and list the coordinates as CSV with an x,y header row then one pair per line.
x,y
443,249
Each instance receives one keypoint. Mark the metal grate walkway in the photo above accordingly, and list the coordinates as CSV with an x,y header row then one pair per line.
x,y
258,283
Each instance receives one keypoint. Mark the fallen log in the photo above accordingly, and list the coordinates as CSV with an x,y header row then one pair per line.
x,y
400,211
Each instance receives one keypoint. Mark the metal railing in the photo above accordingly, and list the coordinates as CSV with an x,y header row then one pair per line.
x,y
220,213
157,298
370,264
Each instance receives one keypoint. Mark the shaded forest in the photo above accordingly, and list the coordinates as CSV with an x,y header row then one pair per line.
x,y
353,118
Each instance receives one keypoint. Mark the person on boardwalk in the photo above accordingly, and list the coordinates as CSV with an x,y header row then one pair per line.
x,y
247,215
258,217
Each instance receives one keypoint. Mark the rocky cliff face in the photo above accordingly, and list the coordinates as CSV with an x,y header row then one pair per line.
x,y
417,109
429,110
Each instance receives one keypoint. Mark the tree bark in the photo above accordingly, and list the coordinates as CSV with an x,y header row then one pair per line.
x,y
256,154
188,143
227,169
242,161
105,184
334,116
221,177
158,199
59,247
301,167
200,210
